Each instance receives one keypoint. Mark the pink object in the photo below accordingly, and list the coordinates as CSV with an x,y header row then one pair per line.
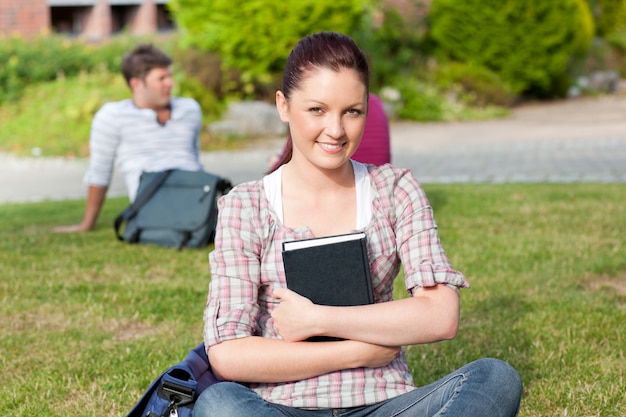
x,y
375,147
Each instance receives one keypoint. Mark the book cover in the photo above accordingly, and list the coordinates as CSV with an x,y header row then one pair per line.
x,y
332,270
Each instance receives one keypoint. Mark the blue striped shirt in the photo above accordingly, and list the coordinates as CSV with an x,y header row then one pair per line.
x,y
132,137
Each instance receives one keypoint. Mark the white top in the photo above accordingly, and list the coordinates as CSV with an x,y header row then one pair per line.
x,y
272,184
132,137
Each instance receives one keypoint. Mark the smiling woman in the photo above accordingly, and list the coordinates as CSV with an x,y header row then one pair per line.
x,y
324,127
259,332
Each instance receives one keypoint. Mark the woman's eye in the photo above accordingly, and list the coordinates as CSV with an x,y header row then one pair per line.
x,y
355,112
315,110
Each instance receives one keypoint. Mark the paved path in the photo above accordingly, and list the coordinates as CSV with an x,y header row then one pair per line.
x,y
580,140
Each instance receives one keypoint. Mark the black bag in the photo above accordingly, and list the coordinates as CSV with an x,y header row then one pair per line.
x,y
175,392
173,208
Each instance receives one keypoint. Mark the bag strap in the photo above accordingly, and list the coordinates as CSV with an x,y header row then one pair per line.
x,y
224,185
140,201
196,364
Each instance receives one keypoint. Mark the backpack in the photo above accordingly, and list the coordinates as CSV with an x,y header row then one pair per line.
x,y
173,208
175,391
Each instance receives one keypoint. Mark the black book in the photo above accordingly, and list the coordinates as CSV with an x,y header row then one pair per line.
x,y
332,270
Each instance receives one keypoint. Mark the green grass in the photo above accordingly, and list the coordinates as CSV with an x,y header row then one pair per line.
x,y
88,322
55,117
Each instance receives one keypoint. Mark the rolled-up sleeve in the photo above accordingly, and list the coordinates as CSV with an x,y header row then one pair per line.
x,y
418,244
232,305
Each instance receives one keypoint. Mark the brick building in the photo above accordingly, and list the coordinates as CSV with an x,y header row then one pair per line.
x,y
90,19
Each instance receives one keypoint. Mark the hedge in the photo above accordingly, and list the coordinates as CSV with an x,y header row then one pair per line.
x,y
529,44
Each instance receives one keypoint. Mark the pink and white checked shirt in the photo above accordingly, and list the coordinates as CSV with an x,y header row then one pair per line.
x,y
247,263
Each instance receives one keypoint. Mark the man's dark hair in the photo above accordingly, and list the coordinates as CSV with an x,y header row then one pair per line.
x,y
143,59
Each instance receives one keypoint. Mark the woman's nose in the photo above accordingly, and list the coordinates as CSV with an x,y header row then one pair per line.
x,y
334,126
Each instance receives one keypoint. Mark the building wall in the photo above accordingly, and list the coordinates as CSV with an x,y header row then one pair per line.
x,y
145,20
32,17
96,22
24,17
92,20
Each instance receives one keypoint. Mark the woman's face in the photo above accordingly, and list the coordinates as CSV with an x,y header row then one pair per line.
x,y
326,116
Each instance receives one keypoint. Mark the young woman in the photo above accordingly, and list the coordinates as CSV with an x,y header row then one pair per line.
x,y
375,146
256,330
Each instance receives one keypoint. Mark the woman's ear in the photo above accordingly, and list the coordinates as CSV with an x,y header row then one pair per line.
x,y
282,106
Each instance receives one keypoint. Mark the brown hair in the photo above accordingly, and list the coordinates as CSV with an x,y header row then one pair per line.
x,y
143,59
323,50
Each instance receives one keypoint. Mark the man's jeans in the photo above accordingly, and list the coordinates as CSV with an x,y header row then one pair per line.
x,y
484,388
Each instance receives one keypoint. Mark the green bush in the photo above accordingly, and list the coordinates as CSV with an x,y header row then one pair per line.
x,y
254,37
424,102
617,41
394,47
421,102
610,15
529,44
198,75
47,58
476,85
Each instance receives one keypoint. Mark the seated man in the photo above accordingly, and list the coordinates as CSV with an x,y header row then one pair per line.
x,y
151,131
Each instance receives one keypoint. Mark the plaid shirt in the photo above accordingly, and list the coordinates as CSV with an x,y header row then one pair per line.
x,y
247,263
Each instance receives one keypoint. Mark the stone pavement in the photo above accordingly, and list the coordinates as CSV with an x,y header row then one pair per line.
x,y
582,140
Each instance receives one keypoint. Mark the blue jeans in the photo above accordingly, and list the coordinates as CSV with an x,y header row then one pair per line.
x,y
484,388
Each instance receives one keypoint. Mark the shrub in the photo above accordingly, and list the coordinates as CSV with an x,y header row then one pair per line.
x,y
255,36
475,84
424,102
529,44
617,41
393,47
610,15
421,102
212,107
47,58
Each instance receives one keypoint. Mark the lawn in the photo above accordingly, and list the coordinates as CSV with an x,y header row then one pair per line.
x,y
87,322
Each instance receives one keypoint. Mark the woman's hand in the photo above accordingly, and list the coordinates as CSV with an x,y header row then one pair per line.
x,y
294,317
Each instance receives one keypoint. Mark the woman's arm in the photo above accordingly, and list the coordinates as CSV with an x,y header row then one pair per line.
x,y
260,359
431,315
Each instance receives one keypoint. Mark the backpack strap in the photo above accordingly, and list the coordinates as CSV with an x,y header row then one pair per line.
x,y
224,185
198,362
139,202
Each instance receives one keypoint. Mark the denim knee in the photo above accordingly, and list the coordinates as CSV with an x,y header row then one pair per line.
x,y
500,381
501,373
216,399
230,399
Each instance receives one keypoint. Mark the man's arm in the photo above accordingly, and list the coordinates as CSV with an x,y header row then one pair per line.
x,y
95,200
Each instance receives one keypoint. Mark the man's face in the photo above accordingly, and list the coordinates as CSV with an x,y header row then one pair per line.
x,y
155,90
